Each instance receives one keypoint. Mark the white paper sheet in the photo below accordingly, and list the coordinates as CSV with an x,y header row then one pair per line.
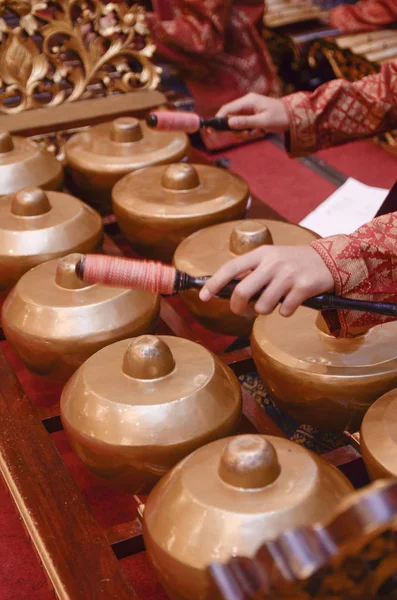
x,y
349,207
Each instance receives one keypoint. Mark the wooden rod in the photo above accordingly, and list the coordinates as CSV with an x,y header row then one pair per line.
x,y
79,113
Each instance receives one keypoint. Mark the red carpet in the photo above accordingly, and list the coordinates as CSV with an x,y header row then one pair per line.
x,y
290,188
293,189
286,185
364,161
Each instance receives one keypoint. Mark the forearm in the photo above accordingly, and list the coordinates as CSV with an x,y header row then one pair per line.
x,y
367,15
364,266
340,111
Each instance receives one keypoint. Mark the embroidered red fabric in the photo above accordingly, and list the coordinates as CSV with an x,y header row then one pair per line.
x,y
219,49
340,111
363,264
366,15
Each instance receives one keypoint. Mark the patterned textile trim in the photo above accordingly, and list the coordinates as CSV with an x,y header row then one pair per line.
x,y
302,137
324,248
339,111
317,440
335,320
364,266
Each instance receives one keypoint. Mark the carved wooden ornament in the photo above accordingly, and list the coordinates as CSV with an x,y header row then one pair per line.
x,y
64,50
352,557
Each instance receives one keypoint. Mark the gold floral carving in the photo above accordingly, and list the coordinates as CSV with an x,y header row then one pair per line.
x,y
64,50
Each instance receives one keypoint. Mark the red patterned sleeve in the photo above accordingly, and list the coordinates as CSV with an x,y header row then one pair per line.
x,y
198,26
366,15
364,266
339,111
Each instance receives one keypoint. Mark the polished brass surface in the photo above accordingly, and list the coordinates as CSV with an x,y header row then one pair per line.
x,y
378,437
227,499
159,207
206,251
180,177
249,462
148,358
318,379
55,321
6,143
102,155
57,52
23,163
248,235
37,226
137,407
30,202
125,130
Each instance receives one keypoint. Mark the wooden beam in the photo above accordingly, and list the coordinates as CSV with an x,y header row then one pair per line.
x,y
79,113
72,547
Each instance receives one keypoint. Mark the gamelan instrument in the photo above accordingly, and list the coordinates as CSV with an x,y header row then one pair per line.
x,y
279,13
37,226
189,122
149,412
320,380
375,46
352,556
378,437
24,164
103,154
160,278
55,322
315,378
158,207
205,251
138,407
227,499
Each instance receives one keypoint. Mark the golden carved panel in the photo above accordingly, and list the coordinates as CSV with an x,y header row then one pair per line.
x,y
59,51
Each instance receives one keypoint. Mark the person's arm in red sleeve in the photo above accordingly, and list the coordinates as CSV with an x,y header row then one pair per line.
x,y
340,111
363,266
366,15
337,112
198,28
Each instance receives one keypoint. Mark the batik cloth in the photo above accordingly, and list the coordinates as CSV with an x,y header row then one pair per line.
x,y
366,15
340,111
218,48
364,264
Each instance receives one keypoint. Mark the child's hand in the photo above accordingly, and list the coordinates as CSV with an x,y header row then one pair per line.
x,y
294,273
254,111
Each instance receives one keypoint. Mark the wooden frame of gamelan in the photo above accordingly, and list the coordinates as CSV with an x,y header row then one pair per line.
x,y
65,53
